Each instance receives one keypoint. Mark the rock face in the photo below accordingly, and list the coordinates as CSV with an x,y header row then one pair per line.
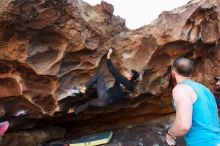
x,y
50,46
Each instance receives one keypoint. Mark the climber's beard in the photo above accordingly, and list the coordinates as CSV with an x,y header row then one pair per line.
x,y
173,79
217,88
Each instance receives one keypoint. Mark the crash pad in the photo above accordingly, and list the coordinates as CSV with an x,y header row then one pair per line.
x,y
93,139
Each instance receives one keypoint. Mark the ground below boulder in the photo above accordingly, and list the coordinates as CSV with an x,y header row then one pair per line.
x,y
48,47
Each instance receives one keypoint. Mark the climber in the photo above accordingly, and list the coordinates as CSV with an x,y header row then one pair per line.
x,y
122,86
217,89
196,109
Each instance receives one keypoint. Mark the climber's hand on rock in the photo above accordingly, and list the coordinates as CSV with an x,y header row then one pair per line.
x,y
71,110
109,53
82,89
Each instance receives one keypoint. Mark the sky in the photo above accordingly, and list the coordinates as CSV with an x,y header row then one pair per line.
x,y
140,12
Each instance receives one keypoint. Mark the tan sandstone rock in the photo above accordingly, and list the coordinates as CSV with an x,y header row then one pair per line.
x,y
48,47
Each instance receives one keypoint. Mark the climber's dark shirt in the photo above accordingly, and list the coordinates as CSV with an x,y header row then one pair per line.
x,y
117,93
